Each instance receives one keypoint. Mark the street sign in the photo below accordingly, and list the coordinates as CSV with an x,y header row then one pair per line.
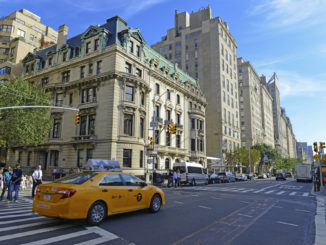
x,y
154,124
265,158
315,157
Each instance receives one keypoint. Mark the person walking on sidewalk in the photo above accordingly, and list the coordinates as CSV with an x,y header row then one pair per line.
x,y
6,182
315,179
178,177
175,178
15,182
37,178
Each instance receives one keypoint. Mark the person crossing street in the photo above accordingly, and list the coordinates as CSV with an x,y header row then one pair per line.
x,y
15,182
37,178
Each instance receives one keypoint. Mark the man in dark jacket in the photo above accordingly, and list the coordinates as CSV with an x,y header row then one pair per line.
x,y
15,183
6,182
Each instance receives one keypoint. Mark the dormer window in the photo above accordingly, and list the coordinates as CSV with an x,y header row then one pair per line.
x,y
76,51
50,61
138,50
96,44
64,56
27,69
131,46
88,47
32,67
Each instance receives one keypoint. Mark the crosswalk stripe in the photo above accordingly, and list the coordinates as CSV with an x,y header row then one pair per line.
x,y
25,225
268,192
33,232
305,194
21,220
106,236
16,216
15,209
259,191
280,193
292,193
16,212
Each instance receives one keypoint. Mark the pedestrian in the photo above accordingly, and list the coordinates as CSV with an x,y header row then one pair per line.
x,y
54,172
16,179
178,177
170,178
61,172
71,171
175,178
37,178
1,179
6,182
315,180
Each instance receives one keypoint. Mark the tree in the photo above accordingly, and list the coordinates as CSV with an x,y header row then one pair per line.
x,y
20,127
267,150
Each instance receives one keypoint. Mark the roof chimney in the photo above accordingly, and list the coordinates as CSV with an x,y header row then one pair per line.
x,y
62,35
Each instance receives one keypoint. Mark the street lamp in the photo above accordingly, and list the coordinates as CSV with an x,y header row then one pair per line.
x,y
154,124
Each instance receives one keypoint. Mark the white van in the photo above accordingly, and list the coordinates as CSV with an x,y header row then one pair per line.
x,y
191,173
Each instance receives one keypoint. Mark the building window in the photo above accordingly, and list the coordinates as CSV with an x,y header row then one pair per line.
x,y
196,34
178,99
168,115
178,141
157,137
64,56
178,119
90,69
170,56
96,44
227,84
187,57
196,65
186,36
21,33
83,124
138,50
65,76
167,163
88,45
12,51
82,71
129,93
193,145
196,54
58,99
91,125
131,46
128,67
223,96
29,158
157,111
168,139
32,67
76,52
138,72
88,95
79,158
187,67
141,159
168,94
45,81
196,45
177,54
54,157
157,88
128,124
127,154
70,99
89,154
165,48
56,128
142,98
192,123
186,47
178,44
7,28
98,67
50,61
170,46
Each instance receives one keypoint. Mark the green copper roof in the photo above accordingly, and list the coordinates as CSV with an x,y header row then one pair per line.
x,y
183,77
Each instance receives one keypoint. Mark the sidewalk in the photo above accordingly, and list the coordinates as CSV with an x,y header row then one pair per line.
x,y
320,218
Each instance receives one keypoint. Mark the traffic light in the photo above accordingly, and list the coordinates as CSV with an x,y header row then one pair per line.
x,y
169,128
315,147
174,129
77,118
151,141
321,145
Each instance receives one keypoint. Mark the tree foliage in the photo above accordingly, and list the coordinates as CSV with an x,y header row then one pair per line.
x,y
27,126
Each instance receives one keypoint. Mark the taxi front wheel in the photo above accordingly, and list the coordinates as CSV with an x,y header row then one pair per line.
x,y
156,204
97,213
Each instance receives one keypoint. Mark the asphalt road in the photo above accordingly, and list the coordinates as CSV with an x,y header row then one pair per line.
x,y
252,212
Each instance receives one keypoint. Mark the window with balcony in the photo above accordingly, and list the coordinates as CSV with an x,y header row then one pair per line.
x,y
128,67
128,124
88,95
129,93
178,141
168,139
56,128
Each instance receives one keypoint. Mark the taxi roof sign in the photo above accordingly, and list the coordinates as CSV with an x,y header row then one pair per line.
x,y
103,165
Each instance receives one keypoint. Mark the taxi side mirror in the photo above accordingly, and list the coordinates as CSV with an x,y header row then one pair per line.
x,y
143,184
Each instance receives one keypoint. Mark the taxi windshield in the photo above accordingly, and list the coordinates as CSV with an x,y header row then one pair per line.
x,y
76,179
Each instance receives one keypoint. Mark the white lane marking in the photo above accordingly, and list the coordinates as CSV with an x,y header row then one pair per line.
x,y
247,190
195,195
21,220
204,207
16,216
292,193
301,210
106,236
33,232
284,223
268,192
305,194
217,198
15,212
178,202
277,207
259,191
245,215
25,225
280,193
244,202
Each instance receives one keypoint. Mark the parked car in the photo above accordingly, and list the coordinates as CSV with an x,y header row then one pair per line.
x,y
214,178
262,176
241,177
227,177
191,173
288,175
280,176
250,176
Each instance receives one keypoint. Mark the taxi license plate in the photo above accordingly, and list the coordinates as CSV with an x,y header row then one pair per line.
x,y
47,197
43,206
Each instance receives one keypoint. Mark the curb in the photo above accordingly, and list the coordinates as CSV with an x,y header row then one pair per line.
x,y
320,218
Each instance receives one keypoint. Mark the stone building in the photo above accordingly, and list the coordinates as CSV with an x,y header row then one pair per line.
x,y
21,32
204,47
120,85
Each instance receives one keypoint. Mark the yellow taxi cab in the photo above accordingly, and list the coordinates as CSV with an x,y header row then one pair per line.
x,y
93,195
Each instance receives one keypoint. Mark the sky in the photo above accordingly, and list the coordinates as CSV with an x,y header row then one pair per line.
x,y
282,36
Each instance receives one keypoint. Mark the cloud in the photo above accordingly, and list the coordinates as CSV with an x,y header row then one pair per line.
x,y
293,84
125,8
283,13
264,63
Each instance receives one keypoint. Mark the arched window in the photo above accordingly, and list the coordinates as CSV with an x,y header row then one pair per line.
x,y
167,163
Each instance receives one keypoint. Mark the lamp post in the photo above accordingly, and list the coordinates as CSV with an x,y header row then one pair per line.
x,y
154,124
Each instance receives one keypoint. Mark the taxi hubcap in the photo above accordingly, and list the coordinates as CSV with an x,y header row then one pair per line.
x,y
156,203
98,213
